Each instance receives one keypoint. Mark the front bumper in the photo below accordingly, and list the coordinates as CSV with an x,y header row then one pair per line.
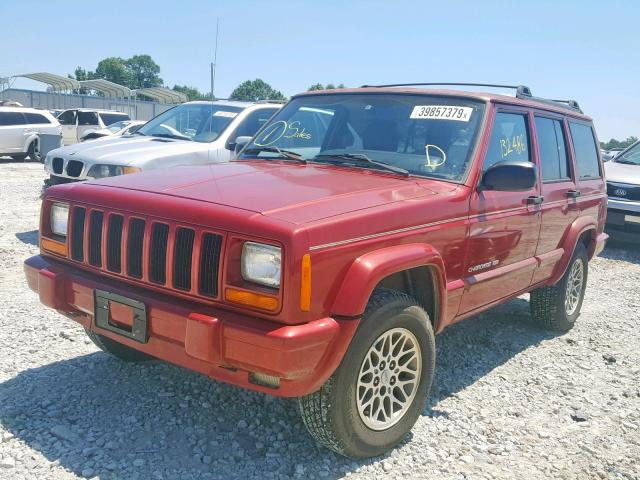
x,y
623,220
225,346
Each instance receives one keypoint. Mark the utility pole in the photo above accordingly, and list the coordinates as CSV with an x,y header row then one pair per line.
x,y
215,61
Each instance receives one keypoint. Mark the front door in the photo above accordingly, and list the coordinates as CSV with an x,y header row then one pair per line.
x,y
504,226
69,122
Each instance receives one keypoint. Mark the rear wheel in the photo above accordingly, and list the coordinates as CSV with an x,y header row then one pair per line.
x,y
557,307
116,349
34,151
377,393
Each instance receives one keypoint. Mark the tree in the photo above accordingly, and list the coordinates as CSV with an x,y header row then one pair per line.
x,y
254,90
143,72
114,69
328,86
613,143
192,93
315,86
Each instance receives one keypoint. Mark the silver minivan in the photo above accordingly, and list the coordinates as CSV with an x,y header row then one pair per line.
x,y
20,131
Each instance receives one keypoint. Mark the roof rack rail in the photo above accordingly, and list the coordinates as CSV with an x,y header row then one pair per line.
x,y
522,91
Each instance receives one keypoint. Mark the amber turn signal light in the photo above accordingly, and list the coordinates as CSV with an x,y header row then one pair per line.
x,y
305,284
54,247
257,300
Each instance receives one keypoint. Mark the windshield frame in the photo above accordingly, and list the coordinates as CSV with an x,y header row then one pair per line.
x,y
473,147
629,149
212,105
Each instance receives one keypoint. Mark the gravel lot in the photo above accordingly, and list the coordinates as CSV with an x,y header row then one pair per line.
x,y
509,401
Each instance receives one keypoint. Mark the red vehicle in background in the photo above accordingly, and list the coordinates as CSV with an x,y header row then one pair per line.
x,y
353,227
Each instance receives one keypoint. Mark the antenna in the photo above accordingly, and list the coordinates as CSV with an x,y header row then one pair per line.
x,y
215,60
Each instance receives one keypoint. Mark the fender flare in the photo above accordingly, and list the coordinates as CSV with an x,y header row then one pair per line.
x,y
577,228
369,269
32,136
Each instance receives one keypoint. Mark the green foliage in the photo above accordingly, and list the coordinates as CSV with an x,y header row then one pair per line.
x,y
613,143
192,93
328,86
254,90
139,71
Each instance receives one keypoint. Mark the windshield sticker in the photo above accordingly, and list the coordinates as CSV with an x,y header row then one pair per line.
x,y
515,144
441,112
282,129
222,113
435,158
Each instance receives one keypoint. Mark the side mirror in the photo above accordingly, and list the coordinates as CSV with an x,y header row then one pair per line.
x,y
510,176
239,144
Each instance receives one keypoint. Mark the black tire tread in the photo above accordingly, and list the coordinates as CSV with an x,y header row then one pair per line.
x,y
315,408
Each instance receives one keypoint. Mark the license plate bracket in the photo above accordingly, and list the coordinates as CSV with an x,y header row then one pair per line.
x,y
138,330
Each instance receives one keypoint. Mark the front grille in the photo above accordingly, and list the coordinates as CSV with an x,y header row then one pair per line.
x,y
57,164
623,191
149,251
74,168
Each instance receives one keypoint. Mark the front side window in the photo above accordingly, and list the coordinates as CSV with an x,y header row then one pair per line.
x,y
67,118
110,118
11,118
553,151
584,146
509,140
253,122
199,122
631,156
425,135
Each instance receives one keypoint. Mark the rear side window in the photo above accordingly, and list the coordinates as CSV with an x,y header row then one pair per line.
x,y
87,118
584,146
109,118
509,140
11,118
36,118
553,150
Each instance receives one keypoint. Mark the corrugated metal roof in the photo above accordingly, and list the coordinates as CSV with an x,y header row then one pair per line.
x,y
110,89
163,95
55,81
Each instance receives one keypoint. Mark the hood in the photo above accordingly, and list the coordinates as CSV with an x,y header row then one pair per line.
x,y
127,150
622,173
294,193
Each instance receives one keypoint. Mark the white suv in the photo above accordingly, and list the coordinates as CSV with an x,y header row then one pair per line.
x,y
77,121
191,133
20,128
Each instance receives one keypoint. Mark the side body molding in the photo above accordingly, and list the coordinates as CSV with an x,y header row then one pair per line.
x,y
369,269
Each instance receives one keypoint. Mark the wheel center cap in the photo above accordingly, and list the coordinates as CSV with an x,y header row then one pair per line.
x,y
385,377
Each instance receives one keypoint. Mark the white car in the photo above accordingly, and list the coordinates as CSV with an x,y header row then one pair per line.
x,y
20,128
125,127
191,133
77,121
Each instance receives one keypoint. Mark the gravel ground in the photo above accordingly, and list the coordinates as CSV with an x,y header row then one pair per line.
x,y
509,401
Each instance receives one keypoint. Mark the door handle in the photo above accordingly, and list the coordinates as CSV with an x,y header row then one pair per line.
x,y
573,193
534,200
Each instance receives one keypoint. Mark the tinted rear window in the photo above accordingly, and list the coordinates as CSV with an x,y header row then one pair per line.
x,y
36,118
11,118
553,152
109,118
87,118
584,145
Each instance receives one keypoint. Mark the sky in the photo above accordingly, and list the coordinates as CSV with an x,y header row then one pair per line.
x,y
586,50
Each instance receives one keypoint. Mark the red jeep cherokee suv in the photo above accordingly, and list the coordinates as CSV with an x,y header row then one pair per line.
x,y
353,227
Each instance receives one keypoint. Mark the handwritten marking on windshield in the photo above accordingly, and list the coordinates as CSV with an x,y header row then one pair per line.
x,y
437,161
282,129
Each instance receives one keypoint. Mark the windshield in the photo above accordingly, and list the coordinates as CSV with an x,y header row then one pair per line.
x,y
631,156
422,135
199,122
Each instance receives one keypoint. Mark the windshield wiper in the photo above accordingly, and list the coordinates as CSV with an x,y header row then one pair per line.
x,y
138,132
362,158
171,135
287,154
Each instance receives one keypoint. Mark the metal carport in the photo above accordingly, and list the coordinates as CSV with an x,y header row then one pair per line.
x,y
110,90
57,83
162,95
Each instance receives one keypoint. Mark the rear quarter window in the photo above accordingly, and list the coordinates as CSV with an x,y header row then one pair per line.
x,y
11,118
584,146
36,118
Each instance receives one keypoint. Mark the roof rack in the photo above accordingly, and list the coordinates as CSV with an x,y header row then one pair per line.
x,y
522,91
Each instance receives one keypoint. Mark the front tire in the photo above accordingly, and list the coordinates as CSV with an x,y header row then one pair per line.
x,y
378,392
557,307
118,350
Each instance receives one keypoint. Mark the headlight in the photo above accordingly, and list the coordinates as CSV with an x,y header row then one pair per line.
x,y
102,171
59,219
261,264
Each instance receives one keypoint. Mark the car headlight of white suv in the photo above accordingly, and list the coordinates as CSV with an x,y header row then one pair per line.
x,y
103,171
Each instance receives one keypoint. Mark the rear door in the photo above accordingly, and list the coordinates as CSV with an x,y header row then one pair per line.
x,y
12,127
504,226
560,207
69,122
87,121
